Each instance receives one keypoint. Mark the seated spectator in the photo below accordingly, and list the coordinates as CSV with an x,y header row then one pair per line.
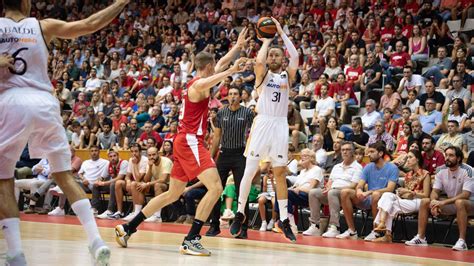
x,y
451,138
412,102
332,133
122,139
325,107
311,176
156,118
230,200
405,118
370,117
410,82
42,173
380,177
333,69
116,170
343,95
344,175
354,71
457,112
418,46
390,124
191,194
87,138
24,165
76,135
155,180
398,60
117,119
305,92
296,127
391,99
90,173
417,186
401,159
468,144
402,141
382,135
321,157
458,91
150,133
432,159
106,139
371,78
440,69
456,180
134,132
358,136
432,120
334,156
431,93
137,166
267,195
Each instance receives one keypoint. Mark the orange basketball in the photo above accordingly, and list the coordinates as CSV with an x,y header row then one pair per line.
x,y
266,28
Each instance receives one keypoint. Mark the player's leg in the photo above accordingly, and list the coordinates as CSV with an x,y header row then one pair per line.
x,y
124,231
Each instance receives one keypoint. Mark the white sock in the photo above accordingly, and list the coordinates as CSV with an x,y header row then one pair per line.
x,y
283,207
83,210
11,232
158,213
138,208
292,219
251,169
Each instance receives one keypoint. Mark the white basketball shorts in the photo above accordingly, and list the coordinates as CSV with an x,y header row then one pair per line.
x,y
268,139
31,116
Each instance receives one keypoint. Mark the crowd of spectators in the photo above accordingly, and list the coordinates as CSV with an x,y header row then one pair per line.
x,y
387,81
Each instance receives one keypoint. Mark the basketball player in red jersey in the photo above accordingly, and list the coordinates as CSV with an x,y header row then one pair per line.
x,y
191,159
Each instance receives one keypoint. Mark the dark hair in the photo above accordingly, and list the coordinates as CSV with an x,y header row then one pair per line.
x,y
412,142
460,102
380,146
457,151
408,67
406,108
107,122
75,123
171,143
12,4
419,157
235,88
94,147
428,137
454,122
136,145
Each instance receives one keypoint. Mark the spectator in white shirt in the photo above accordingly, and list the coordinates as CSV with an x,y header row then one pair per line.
x,y
93,83
90,172
325,108
370,117
320,153
343,175
42,172
411,82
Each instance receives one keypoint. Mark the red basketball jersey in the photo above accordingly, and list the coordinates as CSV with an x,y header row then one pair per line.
x,y
193,116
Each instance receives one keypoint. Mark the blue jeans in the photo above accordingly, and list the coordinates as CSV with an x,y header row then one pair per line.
x,y
350,101
191,197
434,72
300,199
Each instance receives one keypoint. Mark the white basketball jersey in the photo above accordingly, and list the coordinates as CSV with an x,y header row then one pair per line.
x,y
24,41
274,95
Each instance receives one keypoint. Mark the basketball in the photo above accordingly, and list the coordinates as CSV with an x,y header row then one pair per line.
x,y
266,28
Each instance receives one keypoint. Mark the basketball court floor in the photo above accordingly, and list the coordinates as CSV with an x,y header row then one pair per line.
x,y
61,241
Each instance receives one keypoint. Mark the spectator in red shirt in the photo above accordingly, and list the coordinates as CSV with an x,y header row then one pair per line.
x,y
150,133
398,60
81,101
126,104
125,81
343,94
354,71
387,32
117,119
432,158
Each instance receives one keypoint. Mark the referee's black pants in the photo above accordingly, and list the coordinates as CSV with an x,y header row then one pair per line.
x,y
230,160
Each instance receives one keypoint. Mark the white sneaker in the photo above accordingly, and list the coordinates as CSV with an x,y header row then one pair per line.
x,y
348,234
460,245
270,225
130,217
100,253
104,215
115,216
417,241
332,232
313,230
57,212
263,227
153,219
373,235
228,215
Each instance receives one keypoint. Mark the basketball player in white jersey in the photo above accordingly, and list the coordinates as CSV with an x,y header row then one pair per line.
x,y
29,113
269,135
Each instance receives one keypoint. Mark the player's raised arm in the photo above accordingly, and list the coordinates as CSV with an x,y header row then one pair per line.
x,y
261,62
205,84
224,62
294,58
70,30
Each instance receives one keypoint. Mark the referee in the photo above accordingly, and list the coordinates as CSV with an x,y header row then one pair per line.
x,y
233,123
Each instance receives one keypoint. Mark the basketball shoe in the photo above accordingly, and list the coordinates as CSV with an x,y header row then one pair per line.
x,y
236,225
194,247
122,234
100,253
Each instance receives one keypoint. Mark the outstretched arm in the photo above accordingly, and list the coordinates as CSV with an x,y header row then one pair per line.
x,y
261,63
233,53
70,30
293,66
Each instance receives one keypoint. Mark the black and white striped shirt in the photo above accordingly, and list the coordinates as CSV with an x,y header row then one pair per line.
x,y
234,126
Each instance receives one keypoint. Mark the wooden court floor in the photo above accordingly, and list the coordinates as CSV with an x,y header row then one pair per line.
x,y
61,241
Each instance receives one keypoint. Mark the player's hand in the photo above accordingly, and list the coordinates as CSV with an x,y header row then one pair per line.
x,y
85,182
124,2
239,64
278,26
6,60
242,40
